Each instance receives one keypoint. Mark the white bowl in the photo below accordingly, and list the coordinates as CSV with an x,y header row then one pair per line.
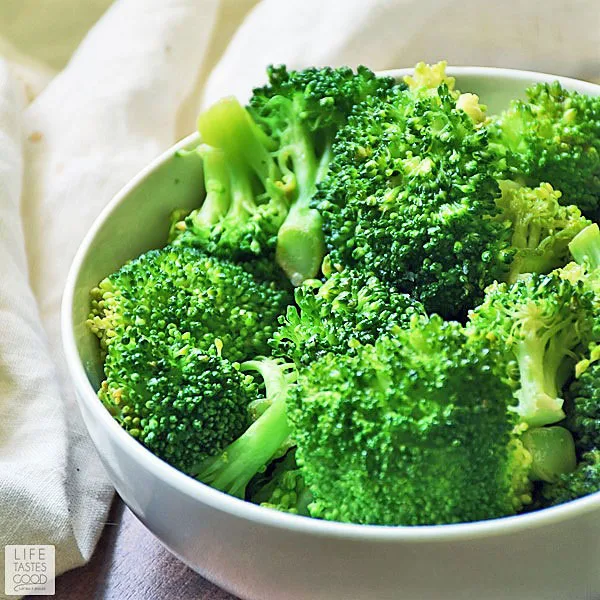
x,y
262,554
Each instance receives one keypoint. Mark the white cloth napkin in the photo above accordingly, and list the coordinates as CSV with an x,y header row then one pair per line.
x,y
133,87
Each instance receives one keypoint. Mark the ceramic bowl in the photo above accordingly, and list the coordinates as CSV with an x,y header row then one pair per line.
x,y
262,554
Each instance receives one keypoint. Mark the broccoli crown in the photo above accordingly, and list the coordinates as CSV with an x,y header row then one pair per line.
x,y
541,228
410,196
301,111
380,456
318,98
348,309
584,480
266,439
553,136
204,297
183,404
240,215
173,323
282,487
544,321
584,403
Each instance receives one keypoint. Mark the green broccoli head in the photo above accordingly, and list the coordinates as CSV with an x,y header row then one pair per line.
x,y
302,111
541,228
545,321
204,297
266,439
242,211
410,196
553,136
262,165
348,309
413,430
182,403
173,325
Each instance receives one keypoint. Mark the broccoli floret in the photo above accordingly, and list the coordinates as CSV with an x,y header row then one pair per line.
x,y
204,297
413,430
301,111
410,196
282,488
553,136
264,163
173,325
541,228
584,480
545,321
232,469
245,202
348,309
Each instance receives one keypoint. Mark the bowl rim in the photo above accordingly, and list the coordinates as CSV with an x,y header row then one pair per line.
x,y
86,395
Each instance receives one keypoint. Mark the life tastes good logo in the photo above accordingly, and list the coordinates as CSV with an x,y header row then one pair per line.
x,y
29,570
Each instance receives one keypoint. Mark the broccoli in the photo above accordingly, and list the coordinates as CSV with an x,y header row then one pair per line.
x,y
412,430
410,196
173,325
245,201
583,419
584,480
348,309
301,111
263,164
235,465
541,228
545,321
553,136
349,398
282,488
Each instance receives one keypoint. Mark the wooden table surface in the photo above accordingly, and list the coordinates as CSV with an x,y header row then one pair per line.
x,y
130,564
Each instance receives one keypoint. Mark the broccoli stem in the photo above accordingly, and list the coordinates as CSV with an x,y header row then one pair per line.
x,y
228,126
232,469
552,451
539,403
585,246
216,185
300,242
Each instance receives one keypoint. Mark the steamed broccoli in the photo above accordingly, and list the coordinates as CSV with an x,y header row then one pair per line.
x,y
541,228
411,195
347,309
413,430
264,163
302,111
553,136
350,400
545,321
583,398
235,465
174,324
245,201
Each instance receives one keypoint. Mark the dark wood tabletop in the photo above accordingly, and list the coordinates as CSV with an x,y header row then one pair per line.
x,y
131,564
